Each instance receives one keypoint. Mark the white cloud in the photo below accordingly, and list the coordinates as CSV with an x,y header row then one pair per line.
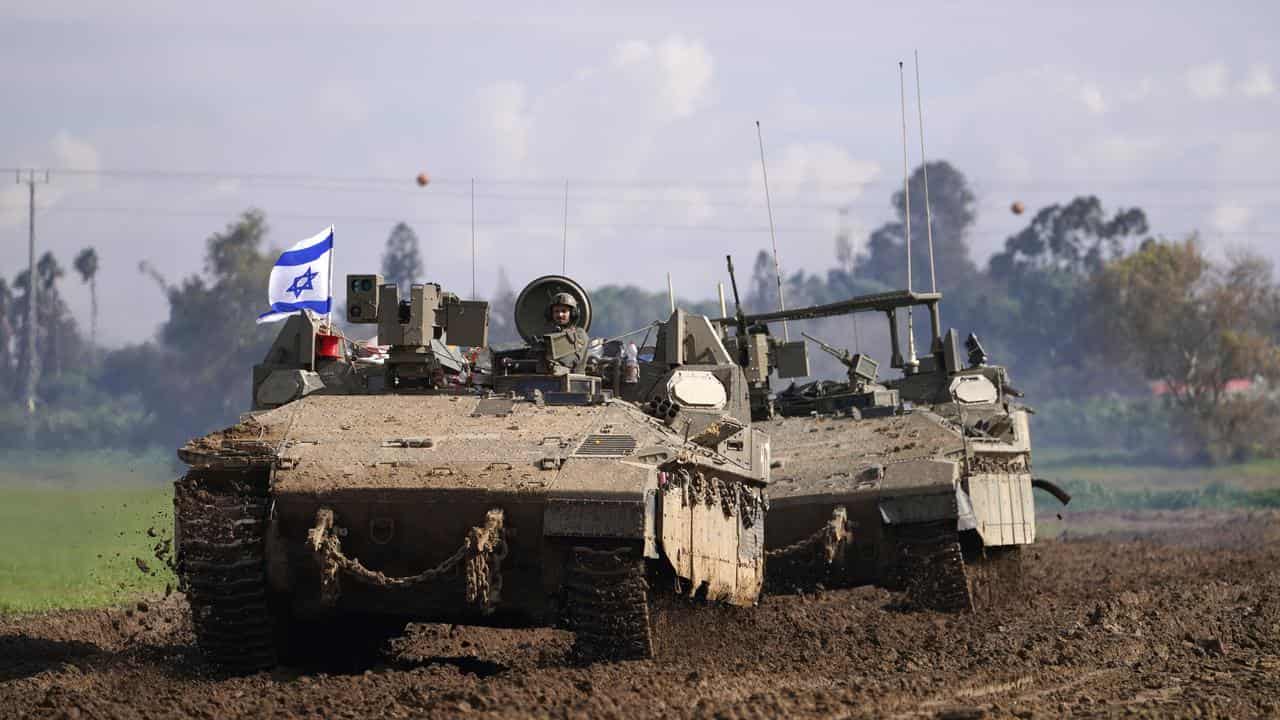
x,y
1230,217
73,152
504,113
602,119
1258,83
1020,130
687,70
625,129
64,151
804,177
684,71
821,172
632,52
1091,96
1207,81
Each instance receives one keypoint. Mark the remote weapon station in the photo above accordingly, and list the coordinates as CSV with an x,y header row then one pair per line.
x,y
539,486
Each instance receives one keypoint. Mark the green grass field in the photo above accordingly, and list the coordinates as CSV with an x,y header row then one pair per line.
x,y
1123,473
1102,483
73,525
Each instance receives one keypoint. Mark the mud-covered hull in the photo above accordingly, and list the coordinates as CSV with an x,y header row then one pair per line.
x,y
376,502
896,479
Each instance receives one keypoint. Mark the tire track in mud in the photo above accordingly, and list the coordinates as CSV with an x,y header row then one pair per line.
x,y
1023,688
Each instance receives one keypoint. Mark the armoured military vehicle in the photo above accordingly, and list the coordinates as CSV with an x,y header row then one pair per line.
x,y
927,475
435,484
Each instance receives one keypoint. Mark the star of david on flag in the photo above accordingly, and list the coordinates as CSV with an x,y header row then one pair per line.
x,y
300,279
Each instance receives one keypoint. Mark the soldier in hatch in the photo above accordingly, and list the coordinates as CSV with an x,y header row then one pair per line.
x,y
566,343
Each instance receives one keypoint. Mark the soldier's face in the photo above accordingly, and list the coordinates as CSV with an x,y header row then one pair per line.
x,y
560,314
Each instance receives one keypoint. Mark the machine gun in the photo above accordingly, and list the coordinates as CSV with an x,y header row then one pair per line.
x,y
842,355
862,368
739,316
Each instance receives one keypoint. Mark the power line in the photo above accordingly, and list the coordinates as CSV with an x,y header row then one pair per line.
x,y
314,180
997,205
461,222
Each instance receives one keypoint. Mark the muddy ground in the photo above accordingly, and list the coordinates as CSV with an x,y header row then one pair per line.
x,y
1178,617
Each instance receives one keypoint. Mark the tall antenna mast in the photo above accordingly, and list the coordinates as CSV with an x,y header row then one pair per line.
x,y
924,164
473,238
564,241
773,238
906,192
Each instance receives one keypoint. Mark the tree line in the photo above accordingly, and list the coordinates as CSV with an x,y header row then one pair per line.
x,y
1083,302
1086,303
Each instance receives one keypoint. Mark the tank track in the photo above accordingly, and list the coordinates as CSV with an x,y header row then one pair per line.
x,y
221,567
930,568
607,605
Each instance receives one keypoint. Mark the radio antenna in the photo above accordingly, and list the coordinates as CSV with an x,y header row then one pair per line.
x,y
473,238
777,267
924,164
564,240
906,193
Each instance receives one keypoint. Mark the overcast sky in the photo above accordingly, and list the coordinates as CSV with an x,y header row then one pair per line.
x,y
648,113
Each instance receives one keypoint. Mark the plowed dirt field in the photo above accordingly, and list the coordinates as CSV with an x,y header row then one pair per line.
x,y
1178,615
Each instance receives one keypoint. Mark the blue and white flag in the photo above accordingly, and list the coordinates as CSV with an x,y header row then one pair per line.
x,y
300,279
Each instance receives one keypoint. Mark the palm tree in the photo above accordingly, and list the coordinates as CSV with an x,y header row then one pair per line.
x,y
86,264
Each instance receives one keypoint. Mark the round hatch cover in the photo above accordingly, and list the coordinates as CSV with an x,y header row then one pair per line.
x,y
534,299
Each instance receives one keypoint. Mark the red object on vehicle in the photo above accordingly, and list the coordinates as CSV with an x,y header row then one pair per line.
x,y
328,346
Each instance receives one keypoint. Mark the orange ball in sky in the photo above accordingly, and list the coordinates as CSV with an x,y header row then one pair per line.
x,y
423,179
1017,207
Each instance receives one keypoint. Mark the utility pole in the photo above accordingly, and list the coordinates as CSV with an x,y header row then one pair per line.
x,y
33,290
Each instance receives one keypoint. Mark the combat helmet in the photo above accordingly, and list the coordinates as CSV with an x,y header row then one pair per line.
x,y
564,298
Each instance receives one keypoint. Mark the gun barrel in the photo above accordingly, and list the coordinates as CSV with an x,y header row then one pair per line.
x,y
811,338
841,355
738,317
737,304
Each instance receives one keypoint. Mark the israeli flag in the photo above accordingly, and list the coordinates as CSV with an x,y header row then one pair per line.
x,y
300,279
